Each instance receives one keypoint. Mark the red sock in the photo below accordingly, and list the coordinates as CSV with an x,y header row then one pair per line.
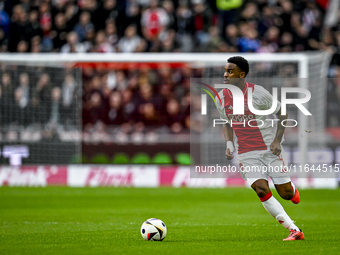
x,y
266,197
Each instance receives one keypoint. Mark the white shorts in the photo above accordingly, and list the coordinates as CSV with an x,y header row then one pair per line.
x,y
255,165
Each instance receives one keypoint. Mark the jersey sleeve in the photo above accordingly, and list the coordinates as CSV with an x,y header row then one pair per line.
x,y
264,100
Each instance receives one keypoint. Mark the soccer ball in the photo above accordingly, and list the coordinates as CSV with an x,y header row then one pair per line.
x,y
153,229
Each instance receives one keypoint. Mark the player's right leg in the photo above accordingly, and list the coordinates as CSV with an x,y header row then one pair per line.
x,y
258,180
283,184
288,191
274,208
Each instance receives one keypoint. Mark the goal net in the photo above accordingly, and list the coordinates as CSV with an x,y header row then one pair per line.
x,y
40,113
52,132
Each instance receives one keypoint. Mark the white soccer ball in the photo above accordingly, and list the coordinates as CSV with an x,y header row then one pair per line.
x,y
153,229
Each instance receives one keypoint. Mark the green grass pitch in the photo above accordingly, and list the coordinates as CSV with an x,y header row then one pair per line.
x,y
61,220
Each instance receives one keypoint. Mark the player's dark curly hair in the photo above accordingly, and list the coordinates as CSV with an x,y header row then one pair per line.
x,y
241,62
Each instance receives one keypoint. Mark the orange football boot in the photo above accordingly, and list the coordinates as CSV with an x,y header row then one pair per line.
x,y
296,197
295,235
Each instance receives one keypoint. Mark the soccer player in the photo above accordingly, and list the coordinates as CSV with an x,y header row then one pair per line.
x,y
258,144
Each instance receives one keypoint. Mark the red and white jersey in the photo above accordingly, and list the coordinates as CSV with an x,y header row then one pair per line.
x,y
154,20
253,132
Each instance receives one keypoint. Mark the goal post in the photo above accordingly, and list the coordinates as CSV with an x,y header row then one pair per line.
x,y
309,69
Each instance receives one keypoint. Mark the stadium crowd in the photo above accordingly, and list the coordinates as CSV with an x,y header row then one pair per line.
x,y
37,98
138,99
163,26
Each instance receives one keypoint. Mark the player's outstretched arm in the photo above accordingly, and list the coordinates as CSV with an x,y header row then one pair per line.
x,y
275,146
229,137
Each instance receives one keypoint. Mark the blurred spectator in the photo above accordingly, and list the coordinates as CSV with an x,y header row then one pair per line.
x,y
3,41
228,11
93,7
147,96
101,44
310,15
154,20
214,39
268,19
164,72
43,93
35,44
25,88
20,30
22,47
286,42
83,25
315,36
286,14
114,114
71,14
249,42
272,37
34,24
168,42
174,119
185,28
202,21
129,106
20,108
59,32
149,117
35,110
68,91
168,6
232,34
7,94
108,10
111,32
250,13
45,18
93,109
117,80
133,16
5,21
132,82
300,32
73,45
131,41
25,4
58,6
54,109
